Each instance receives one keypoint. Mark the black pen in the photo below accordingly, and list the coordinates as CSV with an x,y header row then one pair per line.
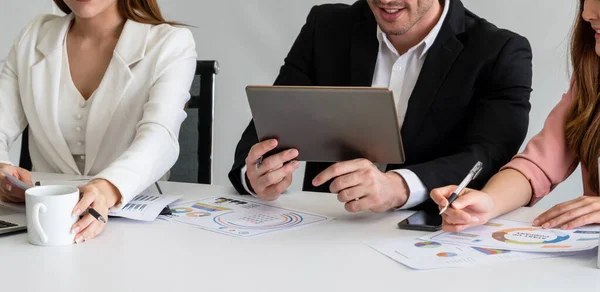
x,y
158,188
96,215
470,176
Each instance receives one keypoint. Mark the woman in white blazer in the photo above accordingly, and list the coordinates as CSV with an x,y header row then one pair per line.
x,y
103,91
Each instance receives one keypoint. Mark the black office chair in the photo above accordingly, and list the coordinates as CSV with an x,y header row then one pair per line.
x,y
25,159
196,137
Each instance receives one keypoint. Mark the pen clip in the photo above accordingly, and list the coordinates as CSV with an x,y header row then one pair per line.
x,y
477,169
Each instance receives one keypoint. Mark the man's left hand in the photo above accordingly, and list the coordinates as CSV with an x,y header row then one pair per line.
x,y
362,186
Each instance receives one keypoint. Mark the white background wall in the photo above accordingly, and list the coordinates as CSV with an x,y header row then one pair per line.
x,y
250,38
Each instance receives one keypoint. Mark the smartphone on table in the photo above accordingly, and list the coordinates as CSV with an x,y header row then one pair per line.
x,y
422,221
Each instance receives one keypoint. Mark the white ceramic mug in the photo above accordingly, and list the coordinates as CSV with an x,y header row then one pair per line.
x,y
49,219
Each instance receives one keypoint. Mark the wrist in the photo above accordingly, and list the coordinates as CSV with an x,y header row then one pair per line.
x,y
248,183
400,191
111,194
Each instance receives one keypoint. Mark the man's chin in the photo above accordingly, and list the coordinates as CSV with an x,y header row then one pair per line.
x,y
394,30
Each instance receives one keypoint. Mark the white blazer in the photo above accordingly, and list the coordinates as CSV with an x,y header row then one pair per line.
x,y
135,117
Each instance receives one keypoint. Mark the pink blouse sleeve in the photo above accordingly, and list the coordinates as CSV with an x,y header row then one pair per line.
x,y
547,160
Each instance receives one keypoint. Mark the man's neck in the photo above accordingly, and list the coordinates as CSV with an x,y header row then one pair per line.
x,y
419,31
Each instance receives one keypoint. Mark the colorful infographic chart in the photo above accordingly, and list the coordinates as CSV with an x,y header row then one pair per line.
x,y
239,217
520,236
426,255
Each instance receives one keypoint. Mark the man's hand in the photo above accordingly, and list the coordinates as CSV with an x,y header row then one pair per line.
x,y
273,176
361,186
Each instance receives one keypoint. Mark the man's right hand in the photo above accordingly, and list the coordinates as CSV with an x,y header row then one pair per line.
x,y
8,192
274,175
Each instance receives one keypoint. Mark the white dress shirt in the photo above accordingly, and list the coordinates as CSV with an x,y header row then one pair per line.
x,y
400,74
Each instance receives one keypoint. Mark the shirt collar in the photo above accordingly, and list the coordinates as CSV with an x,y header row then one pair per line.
x,y
426,43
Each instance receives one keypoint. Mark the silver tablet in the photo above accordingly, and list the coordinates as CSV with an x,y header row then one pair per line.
x,y
329,124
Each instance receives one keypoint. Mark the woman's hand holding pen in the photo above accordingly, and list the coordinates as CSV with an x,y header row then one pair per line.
x,y
100,195
472,208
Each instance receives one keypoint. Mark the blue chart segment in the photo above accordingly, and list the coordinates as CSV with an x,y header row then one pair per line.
x,y
259,221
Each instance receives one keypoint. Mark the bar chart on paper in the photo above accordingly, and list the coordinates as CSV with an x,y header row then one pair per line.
x,y
145,206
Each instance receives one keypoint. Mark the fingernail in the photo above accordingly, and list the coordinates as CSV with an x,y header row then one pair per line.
x,y
474,219
78,239
8,188
75,230
457,205
77,213
564,227
295,163
536,222
546,225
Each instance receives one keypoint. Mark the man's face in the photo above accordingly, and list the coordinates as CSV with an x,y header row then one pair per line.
x,y
396,17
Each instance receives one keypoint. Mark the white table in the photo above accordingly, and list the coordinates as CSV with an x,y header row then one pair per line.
x,y
164,256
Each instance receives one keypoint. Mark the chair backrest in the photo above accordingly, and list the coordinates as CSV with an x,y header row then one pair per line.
x,y
195,162
25,159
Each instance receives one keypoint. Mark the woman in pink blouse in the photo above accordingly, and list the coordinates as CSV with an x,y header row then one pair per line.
x,y
571,135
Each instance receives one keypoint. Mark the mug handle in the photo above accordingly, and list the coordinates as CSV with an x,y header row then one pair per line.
x,y
39,207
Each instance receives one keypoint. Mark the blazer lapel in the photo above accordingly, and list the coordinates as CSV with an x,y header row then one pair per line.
x,y
363,53
130,49
45,79
439,61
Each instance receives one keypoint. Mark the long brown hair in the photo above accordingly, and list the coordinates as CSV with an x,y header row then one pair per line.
x,y
144,11
582,129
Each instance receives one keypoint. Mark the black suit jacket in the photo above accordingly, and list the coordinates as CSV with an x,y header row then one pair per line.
x,y
470,102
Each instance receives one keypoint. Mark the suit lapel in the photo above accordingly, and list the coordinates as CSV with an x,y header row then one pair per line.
x,y
117,79
363,52
45,79
440,58
363,56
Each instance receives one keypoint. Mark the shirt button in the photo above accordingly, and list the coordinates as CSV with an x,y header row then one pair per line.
x,y
79,116
82,157
79,143
82,104
78,129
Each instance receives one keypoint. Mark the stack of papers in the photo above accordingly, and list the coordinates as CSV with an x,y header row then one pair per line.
x,y
496,241
519,236
145,206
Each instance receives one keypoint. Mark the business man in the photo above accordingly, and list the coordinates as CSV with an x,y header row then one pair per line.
x,y
462,89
